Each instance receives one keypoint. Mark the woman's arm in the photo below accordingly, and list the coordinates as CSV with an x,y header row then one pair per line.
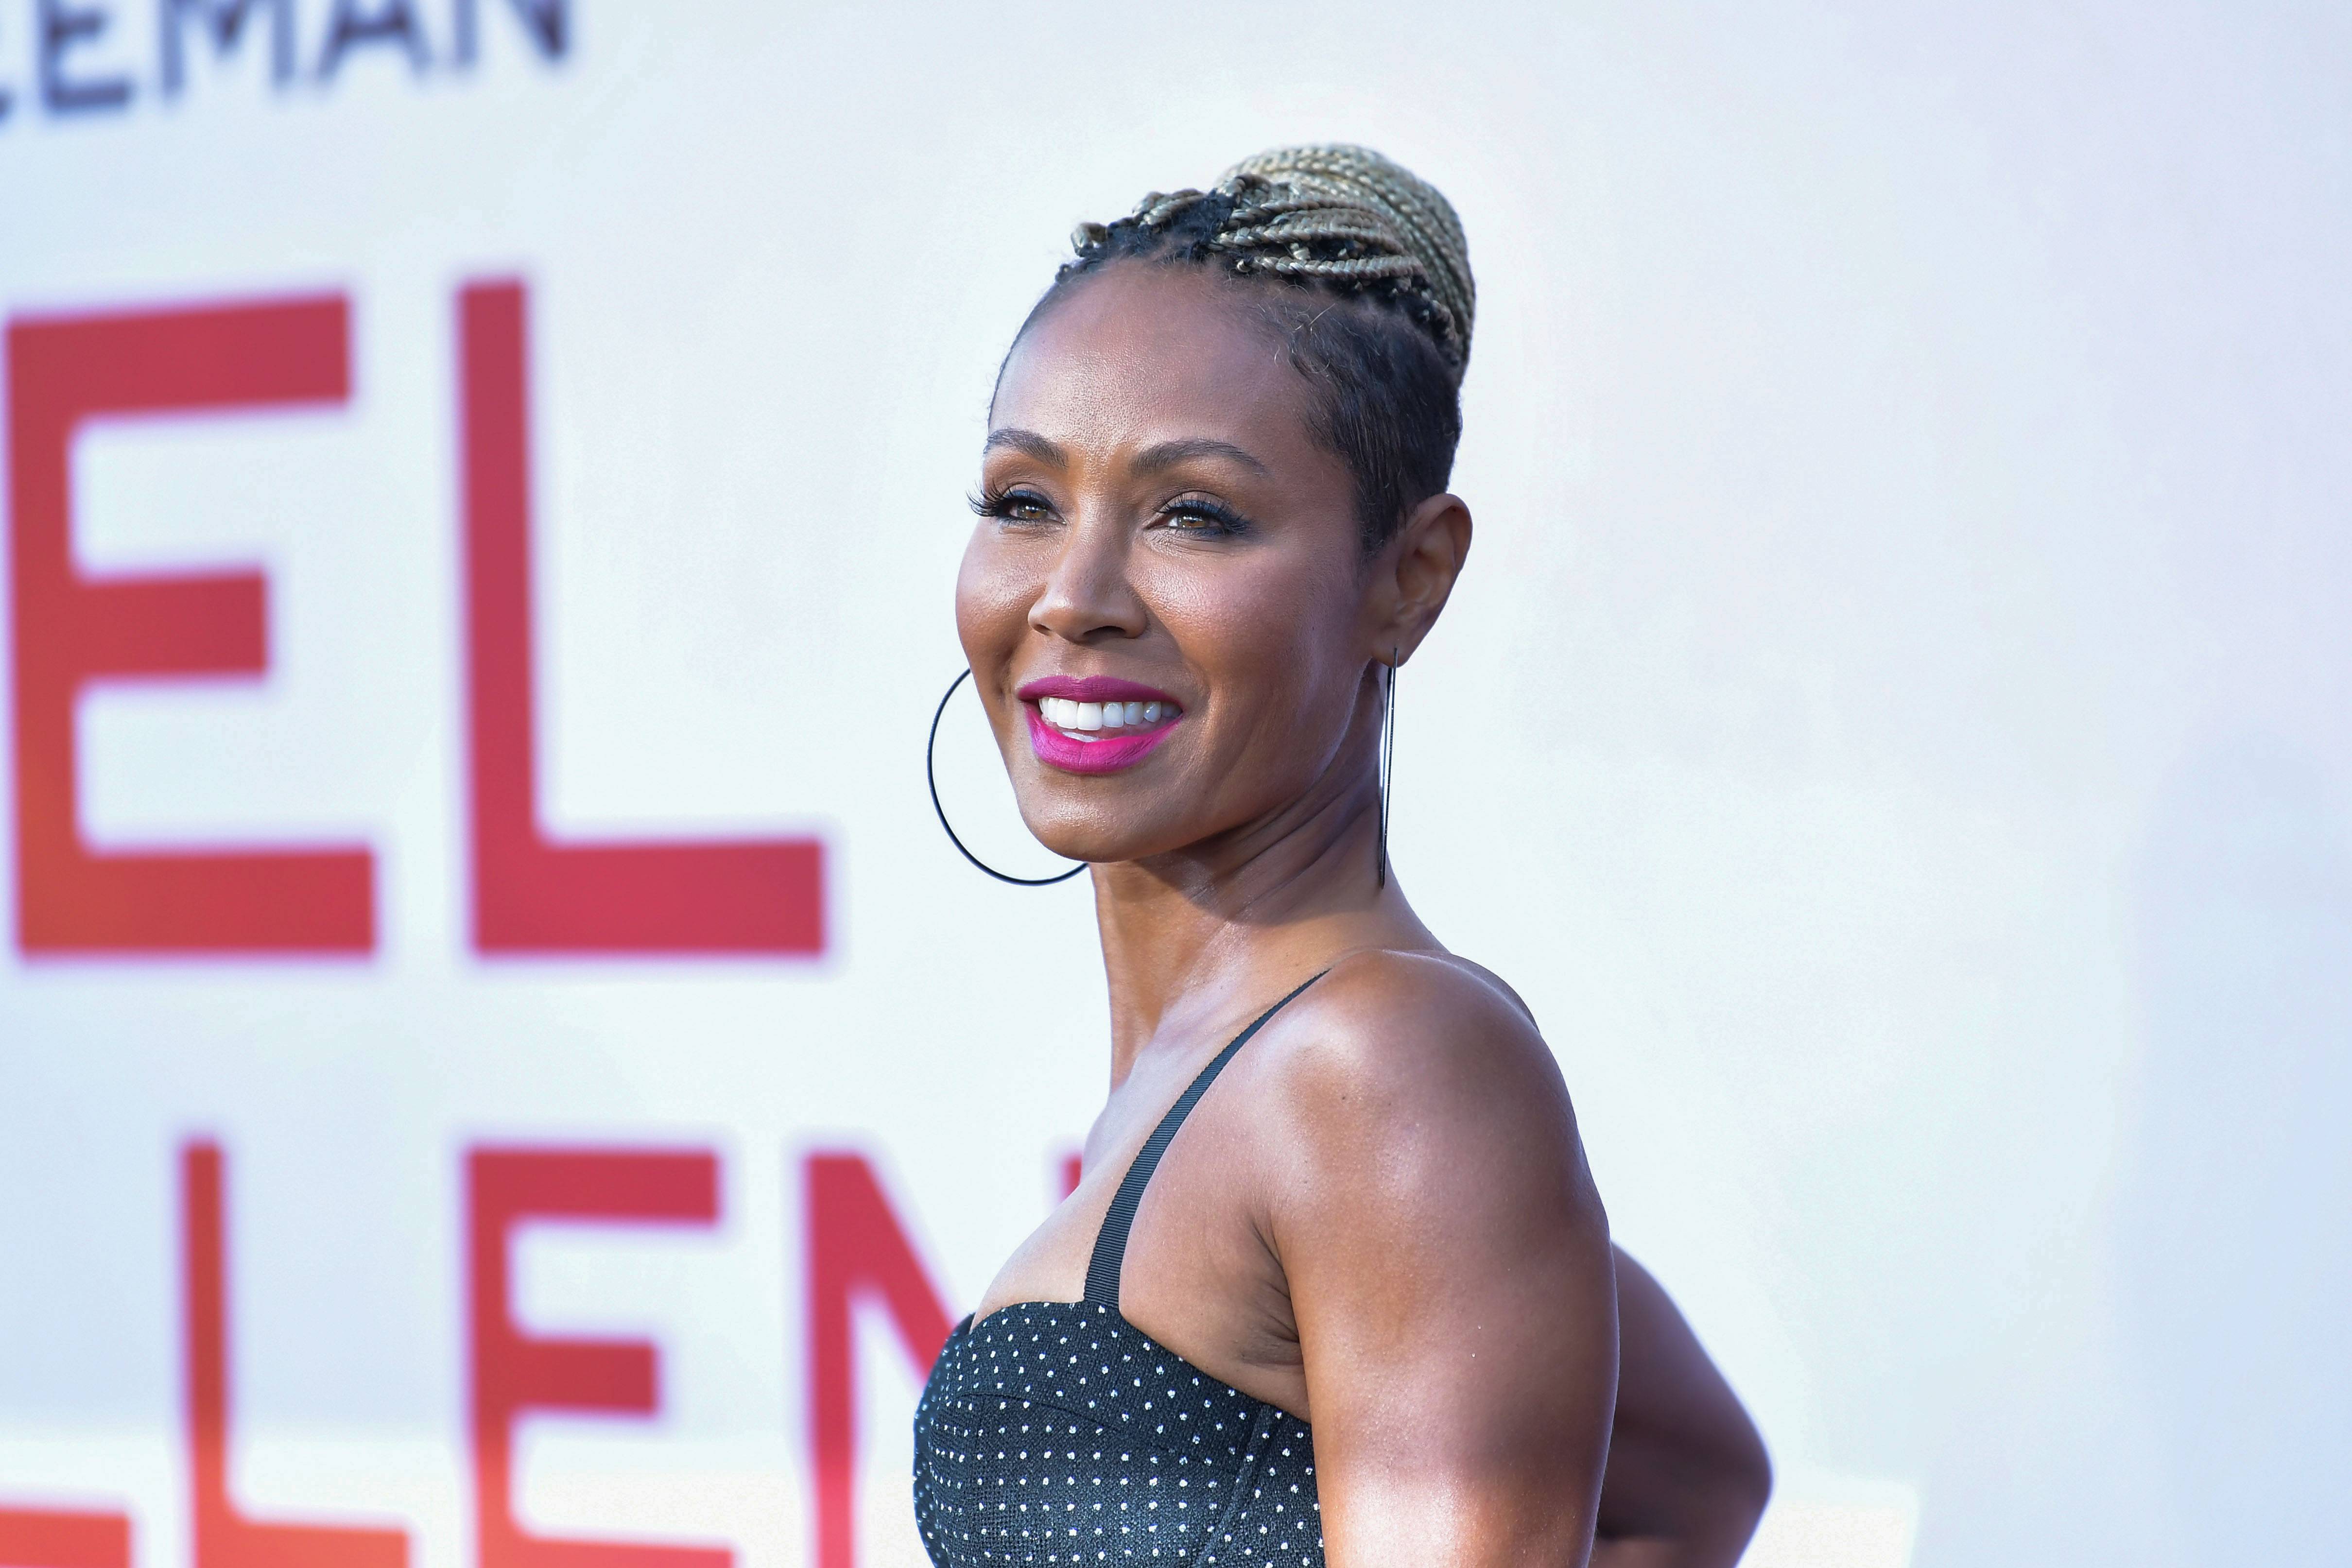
x,y
1448,1266
1687,1474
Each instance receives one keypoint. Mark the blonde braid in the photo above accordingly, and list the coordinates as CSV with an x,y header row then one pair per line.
x,y
1338,214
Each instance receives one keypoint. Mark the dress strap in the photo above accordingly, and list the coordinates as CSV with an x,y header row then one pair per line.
x,y
1110,1242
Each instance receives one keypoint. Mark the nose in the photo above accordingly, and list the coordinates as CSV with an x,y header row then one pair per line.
x,y
1088,596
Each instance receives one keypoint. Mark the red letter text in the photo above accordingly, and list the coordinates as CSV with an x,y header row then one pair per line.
x,y
514,1371
46,1538
224,1537
856,1249
531,895
71,629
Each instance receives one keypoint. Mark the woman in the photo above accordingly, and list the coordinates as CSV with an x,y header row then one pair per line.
x,y
1364,1308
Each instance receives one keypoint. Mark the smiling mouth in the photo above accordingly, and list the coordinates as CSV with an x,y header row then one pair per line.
x,y
1096,724
1087,722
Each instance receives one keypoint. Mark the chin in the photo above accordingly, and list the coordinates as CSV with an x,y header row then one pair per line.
x,y
1091,830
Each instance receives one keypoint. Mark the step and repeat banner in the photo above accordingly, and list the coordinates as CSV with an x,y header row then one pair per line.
x,y
498,1067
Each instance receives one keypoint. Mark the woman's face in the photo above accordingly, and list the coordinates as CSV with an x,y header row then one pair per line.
x,y
1165,603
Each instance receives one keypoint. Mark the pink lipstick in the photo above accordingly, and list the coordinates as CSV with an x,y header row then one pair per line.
x,y
1095,724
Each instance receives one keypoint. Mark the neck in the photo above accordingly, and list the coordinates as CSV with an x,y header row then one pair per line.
x,y
1195,940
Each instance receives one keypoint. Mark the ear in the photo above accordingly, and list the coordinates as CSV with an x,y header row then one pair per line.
x,y
1414,576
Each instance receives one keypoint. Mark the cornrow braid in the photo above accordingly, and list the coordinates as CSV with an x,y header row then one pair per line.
x,y
1345,224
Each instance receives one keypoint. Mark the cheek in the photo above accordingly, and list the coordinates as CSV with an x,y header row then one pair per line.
x,y
993,597
1269,642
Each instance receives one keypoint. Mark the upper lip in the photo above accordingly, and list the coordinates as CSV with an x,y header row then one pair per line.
x,y
1092,689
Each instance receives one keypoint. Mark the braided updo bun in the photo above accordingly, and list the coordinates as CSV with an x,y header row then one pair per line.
x,y
1334,214
1314,228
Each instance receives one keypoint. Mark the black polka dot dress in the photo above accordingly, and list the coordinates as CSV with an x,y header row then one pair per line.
x,y
1054,1434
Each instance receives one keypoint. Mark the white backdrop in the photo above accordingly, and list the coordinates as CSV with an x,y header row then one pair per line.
x,y
1895,729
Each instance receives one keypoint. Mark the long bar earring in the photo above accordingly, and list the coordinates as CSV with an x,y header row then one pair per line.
x,y
1388,756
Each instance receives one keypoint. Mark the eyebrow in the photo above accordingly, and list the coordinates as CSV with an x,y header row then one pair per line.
x,y
1153,459
1028,442
1169,454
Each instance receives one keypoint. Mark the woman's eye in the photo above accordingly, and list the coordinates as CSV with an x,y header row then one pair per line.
x,y
1013,505
1203,517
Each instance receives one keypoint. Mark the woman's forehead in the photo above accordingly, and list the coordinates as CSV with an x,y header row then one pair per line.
x,y
1142,356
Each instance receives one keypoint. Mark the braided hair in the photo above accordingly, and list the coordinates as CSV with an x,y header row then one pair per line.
x,y
1364,277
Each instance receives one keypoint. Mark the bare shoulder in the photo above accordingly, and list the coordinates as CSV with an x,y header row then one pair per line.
x,y
1423,1068
1444,1254
1419,1023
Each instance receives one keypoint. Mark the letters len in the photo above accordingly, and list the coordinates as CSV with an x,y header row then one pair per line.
x,y
857,1250
514,1371
70,631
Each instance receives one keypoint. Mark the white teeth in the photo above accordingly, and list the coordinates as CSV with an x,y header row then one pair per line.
x,y
1064,714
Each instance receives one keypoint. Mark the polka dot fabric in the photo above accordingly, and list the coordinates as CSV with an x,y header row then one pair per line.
x,y
1058,1434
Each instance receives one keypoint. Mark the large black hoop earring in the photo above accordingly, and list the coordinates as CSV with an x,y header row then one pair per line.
x,y
930,777
1388,757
